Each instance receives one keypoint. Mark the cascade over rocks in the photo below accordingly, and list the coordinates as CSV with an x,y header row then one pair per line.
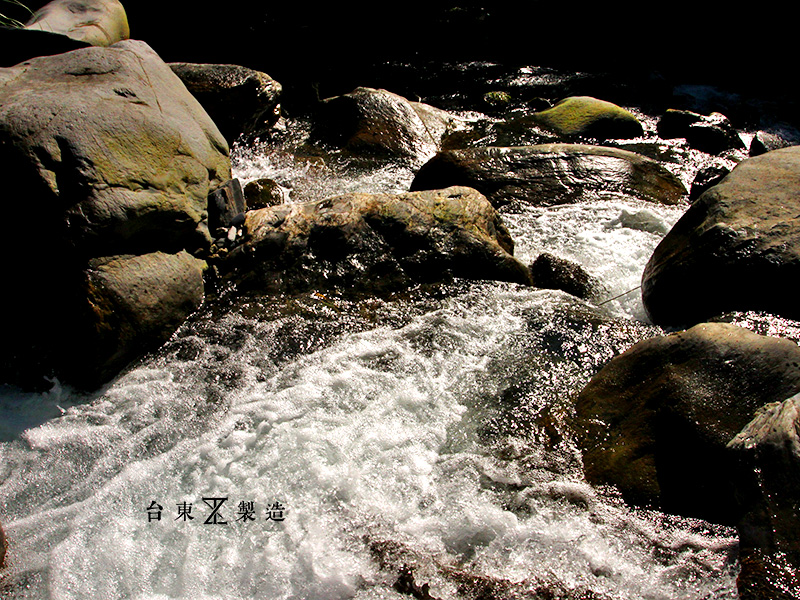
x,y
374,243
551,174
381,123
585,116
656,420
96,22
736,248
111,156
238,99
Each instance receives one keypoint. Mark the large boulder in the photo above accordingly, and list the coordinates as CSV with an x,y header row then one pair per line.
x,y
105,154
551,174
109,146
656,420
584,116
238,99
736,248
96,22
378,122
375,243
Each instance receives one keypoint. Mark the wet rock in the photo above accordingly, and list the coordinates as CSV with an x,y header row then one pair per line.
x,y
261,193
374,243
767,141
555,273
551,174
706,178
589,117
238,99
96,22
712,133
3,547
769,485
736,248
134,304
656,420
224,204
378,122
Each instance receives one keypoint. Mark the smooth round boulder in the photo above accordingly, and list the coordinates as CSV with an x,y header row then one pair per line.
x,y
110,147
589,117
550,174
96,22
381,123
736,248
656,420
374,243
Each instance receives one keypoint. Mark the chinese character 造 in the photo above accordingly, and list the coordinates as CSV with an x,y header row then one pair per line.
x,y
184,511
154,511
247,511
275,512
214,518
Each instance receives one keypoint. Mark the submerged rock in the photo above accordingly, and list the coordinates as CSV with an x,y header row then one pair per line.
x,y
585,116
238,99
96,22
375,243
378,122
736,248
551,174
656,420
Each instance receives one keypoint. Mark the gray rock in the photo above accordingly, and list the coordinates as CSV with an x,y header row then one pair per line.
x,y
555,273
551,174
110,147
736,248
378,122
238,99
111,156
374,243
712,133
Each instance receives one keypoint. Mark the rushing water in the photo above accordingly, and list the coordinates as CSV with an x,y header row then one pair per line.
x,y
415,446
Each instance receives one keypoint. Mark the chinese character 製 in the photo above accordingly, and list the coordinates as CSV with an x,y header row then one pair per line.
x,y
246,512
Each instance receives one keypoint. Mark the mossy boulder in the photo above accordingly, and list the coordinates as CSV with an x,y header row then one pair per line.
x,y
106,154
589,117
374,243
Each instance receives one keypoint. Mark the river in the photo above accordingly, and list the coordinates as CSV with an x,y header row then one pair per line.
x,y
328,447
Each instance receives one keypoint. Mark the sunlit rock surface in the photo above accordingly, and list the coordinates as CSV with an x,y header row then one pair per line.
x,y
375,242
550,174
736,248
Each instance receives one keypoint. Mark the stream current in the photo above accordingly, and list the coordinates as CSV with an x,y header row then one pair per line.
x,y
330,447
